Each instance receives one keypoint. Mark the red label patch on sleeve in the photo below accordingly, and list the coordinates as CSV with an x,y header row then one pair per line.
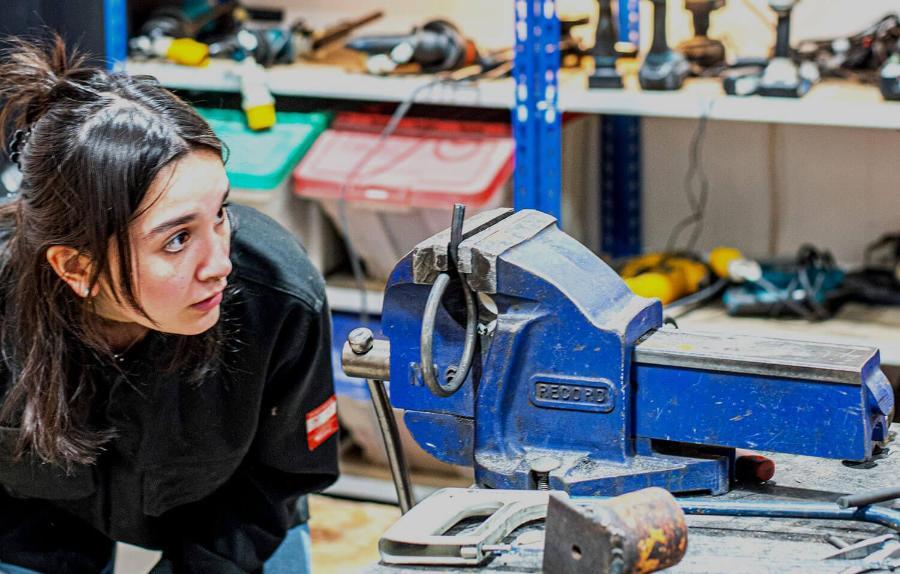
x,y
321,423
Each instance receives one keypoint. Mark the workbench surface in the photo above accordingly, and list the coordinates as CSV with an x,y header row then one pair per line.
x,y
738,545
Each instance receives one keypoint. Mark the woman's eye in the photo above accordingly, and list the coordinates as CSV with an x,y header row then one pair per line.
x,y
223,213
177,243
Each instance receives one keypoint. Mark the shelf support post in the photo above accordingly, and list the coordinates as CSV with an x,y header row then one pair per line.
x,y
536,117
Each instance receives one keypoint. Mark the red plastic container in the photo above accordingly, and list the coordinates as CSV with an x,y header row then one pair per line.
x,y
406,189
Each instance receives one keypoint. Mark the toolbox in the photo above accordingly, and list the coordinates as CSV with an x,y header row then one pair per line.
x,y
259,165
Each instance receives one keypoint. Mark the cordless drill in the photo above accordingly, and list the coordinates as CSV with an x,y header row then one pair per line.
x,y
604,51
782,77
663,68
702,51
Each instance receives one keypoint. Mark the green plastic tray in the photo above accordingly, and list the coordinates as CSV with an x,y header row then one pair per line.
x,y
262,160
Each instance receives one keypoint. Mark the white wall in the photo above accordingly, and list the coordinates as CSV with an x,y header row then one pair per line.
x,y
776,187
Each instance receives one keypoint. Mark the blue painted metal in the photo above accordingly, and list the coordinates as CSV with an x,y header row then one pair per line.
x,y
620,185
630,21
555,329
744,411
446,437
780,509
115,31
536,117
555,377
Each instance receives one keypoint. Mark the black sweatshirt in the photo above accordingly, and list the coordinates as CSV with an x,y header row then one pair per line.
x,y
208,474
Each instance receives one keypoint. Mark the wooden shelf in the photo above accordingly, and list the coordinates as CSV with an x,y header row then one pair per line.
x,y
832,103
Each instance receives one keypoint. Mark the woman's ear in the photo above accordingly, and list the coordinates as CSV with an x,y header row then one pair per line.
x,y
72,267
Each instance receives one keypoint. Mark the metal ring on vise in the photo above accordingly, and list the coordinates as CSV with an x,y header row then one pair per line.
x,y
427,339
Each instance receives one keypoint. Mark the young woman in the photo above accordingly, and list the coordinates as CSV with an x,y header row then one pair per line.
x,y
165,372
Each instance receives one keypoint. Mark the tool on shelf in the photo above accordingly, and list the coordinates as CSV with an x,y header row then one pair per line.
x,y
436,46
604,50
285,44
663,68
701,51
811,286
859,56
782,76
889,77
172,32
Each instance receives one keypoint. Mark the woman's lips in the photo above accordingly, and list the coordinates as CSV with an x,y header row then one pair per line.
x,y
209,303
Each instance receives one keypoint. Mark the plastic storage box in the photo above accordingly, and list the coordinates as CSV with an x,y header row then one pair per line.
x,y
259,166
406,190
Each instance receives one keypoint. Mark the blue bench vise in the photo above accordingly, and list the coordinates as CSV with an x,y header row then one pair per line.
x,y
548,372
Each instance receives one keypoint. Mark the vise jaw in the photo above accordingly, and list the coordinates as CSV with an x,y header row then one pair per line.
x,y
576,386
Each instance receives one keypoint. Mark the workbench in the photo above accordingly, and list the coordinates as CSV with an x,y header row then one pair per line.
x,y
752,545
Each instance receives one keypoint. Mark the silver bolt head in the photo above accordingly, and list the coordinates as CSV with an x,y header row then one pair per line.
x,y
361,340
544,464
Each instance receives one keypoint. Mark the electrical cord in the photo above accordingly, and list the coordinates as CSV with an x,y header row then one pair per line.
x,y
699,201
699,297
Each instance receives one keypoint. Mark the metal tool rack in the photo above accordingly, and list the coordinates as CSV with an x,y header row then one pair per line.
x,y
537,125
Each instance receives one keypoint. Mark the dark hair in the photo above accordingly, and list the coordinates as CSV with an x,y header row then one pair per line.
x,y
92,143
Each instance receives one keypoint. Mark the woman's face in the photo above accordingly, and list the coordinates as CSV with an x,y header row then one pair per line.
x,y
181,245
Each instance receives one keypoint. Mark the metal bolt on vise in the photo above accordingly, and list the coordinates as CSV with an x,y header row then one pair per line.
x,y
542,467
361,340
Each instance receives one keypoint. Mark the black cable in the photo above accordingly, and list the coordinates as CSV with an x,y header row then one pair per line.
x,y
697,203
697,298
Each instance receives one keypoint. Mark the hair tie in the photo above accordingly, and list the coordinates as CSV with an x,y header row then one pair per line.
x,y
17,144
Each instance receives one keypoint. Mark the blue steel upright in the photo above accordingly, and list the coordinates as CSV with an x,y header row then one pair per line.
x,y
115,33
536,117
577,387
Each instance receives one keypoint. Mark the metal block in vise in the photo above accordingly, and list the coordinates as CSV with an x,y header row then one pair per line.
x,y
576,386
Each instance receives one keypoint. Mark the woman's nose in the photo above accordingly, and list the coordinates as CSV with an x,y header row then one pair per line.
x,y
217,263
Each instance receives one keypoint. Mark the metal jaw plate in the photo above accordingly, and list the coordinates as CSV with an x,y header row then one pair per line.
x,y
755,356
420,537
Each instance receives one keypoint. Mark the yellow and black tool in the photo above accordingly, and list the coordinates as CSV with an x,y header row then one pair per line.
x,y
670,276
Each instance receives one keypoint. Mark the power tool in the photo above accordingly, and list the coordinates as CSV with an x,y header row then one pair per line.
x,y
782,76
702,51
889,77
436,46
663,68
604,50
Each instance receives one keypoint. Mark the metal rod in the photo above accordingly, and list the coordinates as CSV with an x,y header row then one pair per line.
x,y
456,230
826,511
864,498
836,542
391,436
